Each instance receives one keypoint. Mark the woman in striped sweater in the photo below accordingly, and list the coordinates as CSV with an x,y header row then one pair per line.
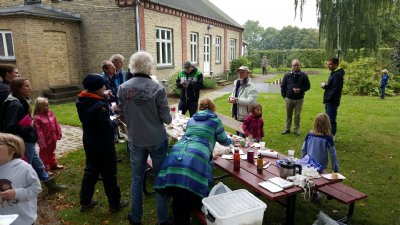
x,y
187,172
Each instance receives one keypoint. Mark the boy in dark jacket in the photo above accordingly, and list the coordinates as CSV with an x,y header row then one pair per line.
x,y
190,81
333,91
98,142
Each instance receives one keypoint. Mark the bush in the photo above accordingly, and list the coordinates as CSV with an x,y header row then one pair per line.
x,y
361,77
241,61
209,83
172,85
395,86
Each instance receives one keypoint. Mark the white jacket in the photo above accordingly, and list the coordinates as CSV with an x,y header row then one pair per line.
x,y
25,182
247,96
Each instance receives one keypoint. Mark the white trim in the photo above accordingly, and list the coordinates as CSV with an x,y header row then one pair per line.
x,y
4,47
232,49
218,49
194,52
164,46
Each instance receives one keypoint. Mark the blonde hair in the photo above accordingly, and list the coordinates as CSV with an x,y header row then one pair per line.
x,y
40,103
385,71
14,144
206,103
322,125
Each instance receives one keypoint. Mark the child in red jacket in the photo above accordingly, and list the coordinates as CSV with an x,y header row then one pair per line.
x,y
253,124
48,131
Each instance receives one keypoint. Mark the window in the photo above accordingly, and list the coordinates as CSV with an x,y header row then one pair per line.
x,y
193,47
164,46
232,49
218,49
6,45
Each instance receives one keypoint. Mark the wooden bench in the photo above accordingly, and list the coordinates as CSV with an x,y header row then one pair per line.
x,y
344,194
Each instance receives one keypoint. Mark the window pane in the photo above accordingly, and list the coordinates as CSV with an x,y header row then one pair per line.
x,y
169,50
163,52
157,33
2,52
162,34
9,45
158,53
168,35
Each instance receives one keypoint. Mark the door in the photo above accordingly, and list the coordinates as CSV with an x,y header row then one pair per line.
x,y
207,55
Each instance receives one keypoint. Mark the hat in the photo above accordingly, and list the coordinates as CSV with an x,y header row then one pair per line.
x,y
93,82
245,68
187,65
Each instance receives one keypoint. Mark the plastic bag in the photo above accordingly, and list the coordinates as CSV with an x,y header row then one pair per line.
x,y
307,161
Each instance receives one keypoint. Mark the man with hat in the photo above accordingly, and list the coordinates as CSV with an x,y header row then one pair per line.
x,y
190,81
243,96
98,142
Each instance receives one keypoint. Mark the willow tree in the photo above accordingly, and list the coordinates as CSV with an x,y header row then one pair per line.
x,y
350,24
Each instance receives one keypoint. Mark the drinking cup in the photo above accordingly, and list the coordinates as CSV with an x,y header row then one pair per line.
x,y
291,154
250,156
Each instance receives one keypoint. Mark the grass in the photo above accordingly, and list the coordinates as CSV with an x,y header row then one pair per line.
x,y
367,147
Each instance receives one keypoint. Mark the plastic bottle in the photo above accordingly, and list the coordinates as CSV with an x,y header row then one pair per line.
x,y
236,160
260,164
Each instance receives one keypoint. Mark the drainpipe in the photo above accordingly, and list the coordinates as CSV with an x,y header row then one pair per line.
x,y
137,24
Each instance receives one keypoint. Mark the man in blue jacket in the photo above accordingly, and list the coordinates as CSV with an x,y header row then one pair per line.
x,y
333,91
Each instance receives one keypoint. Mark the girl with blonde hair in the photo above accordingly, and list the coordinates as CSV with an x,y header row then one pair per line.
x,y
319,142
48,132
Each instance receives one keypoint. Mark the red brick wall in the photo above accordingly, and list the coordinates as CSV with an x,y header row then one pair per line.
x,y
142,28
226,55
184,39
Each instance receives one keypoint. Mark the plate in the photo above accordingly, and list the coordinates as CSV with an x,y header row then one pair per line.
x,y
270,186
329,176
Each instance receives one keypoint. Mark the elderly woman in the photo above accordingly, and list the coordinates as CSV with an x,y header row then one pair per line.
x,y
187,172
143,105
17,120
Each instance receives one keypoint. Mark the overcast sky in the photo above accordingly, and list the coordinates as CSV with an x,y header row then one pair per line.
x,y
270,13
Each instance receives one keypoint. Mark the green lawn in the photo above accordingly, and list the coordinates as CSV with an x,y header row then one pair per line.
x,y
367,147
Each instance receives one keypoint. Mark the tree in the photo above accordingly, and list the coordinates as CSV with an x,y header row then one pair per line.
x,y
350,23
253,34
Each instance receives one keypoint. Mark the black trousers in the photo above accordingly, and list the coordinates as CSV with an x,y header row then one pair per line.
x,y
183,202
185,106
105,164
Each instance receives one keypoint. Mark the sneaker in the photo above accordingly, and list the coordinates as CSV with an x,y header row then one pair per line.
x,y
285,132
89,206
122,204
297,133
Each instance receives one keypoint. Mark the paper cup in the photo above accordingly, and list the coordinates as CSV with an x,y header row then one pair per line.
x,y
290,154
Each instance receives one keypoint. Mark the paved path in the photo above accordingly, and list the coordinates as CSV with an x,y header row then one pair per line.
x,y
72,136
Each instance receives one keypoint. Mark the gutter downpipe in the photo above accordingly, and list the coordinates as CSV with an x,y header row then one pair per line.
x,y
137,24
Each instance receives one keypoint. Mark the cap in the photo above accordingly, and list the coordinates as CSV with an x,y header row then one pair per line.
x,y
187,65
93,82
245,68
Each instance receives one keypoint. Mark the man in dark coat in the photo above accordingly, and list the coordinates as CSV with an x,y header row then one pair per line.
x,y
293,88
333,91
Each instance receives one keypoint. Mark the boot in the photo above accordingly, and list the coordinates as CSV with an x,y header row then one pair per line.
x,y
52,186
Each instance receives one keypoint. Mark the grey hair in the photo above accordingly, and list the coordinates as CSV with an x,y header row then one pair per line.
x,y
116,57
296,60
141,62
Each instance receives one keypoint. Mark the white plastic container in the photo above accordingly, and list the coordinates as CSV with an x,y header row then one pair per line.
x,y
238,207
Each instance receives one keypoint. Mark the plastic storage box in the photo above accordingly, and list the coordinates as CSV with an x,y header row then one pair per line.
x,y
238,207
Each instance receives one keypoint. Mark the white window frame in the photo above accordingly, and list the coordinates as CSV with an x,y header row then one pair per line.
x,y
218,49
232,49
164,46
194,50
6,55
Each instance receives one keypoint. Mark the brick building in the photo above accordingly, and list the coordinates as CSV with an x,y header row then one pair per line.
x,y
56,42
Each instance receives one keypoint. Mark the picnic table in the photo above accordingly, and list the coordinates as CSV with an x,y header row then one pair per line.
x,y
248,176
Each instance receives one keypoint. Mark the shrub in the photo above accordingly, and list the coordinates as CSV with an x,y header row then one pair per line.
x,y
209,83
395,86
361,77
172,84
241,61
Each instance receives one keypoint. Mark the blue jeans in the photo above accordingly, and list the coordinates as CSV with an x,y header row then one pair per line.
x,y
35,161
383,92
331,111
138,158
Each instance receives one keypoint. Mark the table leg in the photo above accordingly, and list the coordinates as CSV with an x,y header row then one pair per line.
x,y
290,209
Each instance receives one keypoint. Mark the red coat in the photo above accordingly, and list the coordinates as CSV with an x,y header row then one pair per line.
x,y
48,129
254,126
